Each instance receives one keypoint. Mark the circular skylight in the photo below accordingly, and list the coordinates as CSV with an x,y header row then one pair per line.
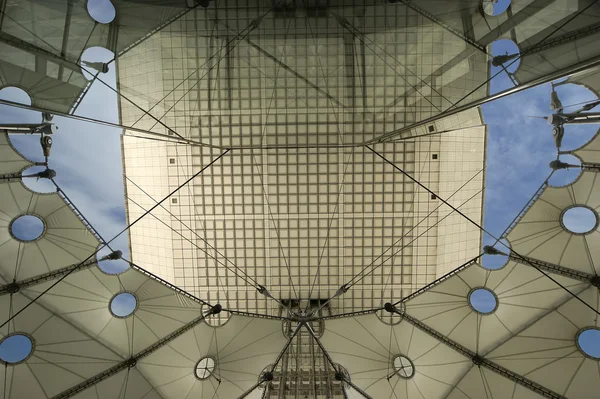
x,y
205,368
27,228
123,304
110,266
579,220
102,11
495,7
483,300
15,348
588,340
404,367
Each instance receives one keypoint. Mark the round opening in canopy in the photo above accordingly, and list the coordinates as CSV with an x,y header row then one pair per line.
x,y
101,11
123,304
494,8
579,220
27,228
15,348
205,368
588,341
483,300
404,367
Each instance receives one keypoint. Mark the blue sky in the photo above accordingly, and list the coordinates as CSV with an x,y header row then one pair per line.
x,y
87,157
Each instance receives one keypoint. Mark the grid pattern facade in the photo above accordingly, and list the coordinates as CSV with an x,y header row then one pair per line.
x,y
343,75
299,221
303,222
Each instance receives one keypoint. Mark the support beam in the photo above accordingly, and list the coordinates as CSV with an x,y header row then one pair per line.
x,y
132,361
63,62
18,176
515,20
15,286
576,68
350,69
159,136
477,359
553,268
350,314
559,39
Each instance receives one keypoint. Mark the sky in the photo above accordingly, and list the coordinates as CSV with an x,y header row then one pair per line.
x,y
87,158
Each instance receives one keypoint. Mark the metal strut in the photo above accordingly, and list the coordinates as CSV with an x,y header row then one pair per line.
x,y
132,361
547,266
15,286
477,359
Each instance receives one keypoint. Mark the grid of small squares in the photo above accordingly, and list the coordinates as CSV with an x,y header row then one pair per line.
x,y
280,215
284,216
281,218
297,80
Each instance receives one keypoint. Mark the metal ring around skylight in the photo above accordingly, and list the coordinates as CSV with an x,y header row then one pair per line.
x,y
403,367
12,340
482,295
123,304
585,225
27,227
205,368
590,346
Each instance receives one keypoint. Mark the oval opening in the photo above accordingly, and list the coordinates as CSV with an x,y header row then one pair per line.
x,y
11,114
495,262
95,61
15,348
27,228
36,184
588,341
404,367
577,136
123,304
483,300
101,11
579,220
494,8
563,177
205,368
505,56
109,266
15,94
